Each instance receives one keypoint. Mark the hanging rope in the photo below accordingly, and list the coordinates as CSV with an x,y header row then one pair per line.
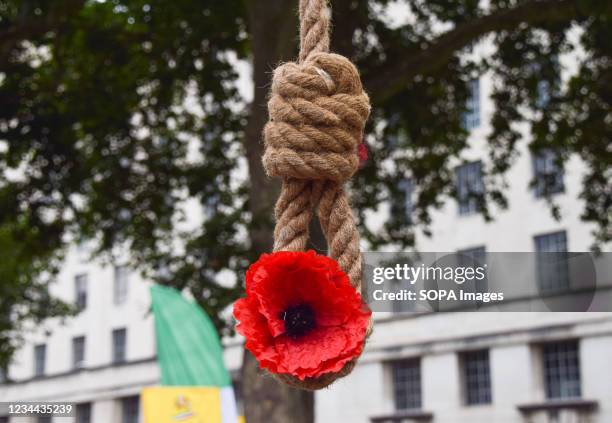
x,y
318,111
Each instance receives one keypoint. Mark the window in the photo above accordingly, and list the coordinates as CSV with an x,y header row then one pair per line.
x,y
406,384
544,92
78,352
40,352
402,206
120,288
407,188
476,256
83,250
43,419
3,419
395,135
473,258
547,174
403,306
547,74
211,205
476,377
83,413
119,338
129,409
561,369
469,187
80,287
471,117
552,264
552,243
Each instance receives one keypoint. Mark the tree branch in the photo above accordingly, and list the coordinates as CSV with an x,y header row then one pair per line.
x,y
390,79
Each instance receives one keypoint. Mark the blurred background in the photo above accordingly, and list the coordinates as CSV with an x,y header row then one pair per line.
x,y
130,154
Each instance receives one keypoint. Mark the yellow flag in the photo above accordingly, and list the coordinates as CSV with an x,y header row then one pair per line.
x,y
178,404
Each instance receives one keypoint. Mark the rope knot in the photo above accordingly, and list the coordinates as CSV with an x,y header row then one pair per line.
x,y
318,111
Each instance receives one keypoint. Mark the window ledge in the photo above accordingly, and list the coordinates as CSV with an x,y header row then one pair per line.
x,y
72,371
402,416
560,404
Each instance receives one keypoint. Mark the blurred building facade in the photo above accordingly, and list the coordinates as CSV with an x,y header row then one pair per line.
x,y
100,359
441,367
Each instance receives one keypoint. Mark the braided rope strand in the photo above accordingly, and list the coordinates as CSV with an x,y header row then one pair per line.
x,y
336,218
294,208
293,214
314,28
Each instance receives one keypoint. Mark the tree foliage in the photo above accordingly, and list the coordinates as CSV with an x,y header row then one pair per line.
x,y
24,294
96,140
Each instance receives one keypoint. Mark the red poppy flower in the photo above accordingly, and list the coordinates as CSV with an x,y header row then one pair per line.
x,y
362,151
301,316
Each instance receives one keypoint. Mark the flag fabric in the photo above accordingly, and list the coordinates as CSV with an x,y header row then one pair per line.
x,y
181,404
190,357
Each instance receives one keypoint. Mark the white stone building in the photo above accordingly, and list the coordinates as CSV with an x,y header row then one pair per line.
x,y
441,367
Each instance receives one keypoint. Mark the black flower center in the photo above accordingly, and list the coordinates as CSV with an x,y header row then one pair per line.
x,y
299,320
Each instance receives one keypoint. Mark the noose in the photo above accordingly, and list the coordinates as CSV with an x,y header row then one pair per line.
x,y
317,114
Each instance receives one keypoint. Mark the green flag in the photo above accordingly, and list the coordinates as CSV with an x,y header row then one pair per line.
x,y
188,347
